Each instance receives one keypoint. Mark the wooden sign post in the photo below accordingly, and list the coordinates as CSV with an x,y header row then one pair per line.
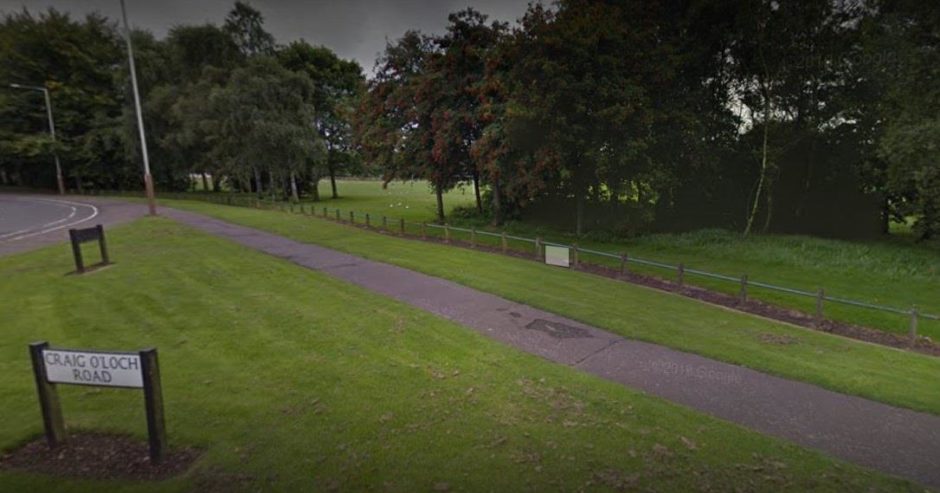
x,y
139,370
79,236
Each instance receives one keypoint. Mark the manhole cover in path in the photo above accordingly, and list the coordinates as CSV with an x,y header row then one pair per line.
x,y
557,330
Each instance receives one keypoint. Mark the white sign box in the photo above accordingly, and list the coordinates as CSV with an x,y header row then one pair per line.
x,y
93,368
555,255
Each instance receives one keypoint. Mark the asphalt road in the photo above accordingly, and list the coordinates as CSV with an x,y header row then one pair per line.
x,y
33,221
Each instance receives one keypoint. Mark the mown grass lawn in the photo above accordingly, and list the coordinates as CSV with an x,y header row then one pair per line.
x,y
894,272
889,375
292,381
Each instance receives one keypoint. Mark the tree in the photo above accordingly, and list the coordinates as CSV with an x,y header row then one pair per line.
x,y
581,81
265,115
395,124
245,25
338,85
903,51
456,123
53,50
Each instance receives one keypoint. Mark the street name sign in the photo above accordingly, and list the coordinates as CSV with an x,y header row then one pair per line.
x,y
139,370
93,368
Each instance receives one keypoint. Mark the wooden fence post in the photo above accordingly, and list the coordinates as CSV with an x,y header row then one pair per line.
x,y
153,400
385,223
103,245
324,212
538,247
337,216
743,294
623,263
503,241
48,397
680,274
446,233
77,252
352,217
424,231
401,226
574,251
820,299
913,329
473,238
368,225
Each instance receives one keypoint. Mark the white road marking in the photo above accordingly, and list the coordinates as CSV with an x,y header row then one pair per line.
x,y
50,227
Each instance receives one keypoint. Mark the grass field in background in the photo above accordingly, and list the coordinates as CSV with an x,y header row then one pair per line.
x,y
894,272
885,374
292,381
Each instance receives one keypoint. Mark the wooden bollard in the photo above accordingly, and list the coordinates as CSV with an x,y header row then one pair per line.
x,y
337,216
368,225
576,255
742,296
446,234
385,223
680,274
324,212
538,247
913,329
503,242
623,263
352,217
401,226
820,299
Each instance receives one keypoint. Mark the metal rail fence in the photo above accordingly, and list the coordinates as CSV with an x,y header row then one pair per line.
x,y
538,244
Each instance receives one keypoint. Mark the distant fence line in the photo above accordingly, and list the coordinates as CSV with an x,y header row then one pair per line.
x,y
538,250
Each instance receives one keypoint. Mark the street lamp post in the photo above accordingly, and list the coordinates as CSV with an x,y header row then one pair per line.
x,y
148,179
55,153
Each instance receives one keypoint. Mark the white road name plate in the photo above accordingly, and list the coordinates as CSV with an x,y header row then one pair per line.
x,y
555,255
93,368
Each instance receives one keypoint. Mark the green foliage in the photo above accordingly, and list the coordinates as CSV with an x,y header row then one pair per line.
x,y
750,115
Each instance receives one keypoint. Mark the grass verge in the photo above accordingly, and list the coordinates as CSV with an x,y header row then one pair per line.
x,y
844,365
276,372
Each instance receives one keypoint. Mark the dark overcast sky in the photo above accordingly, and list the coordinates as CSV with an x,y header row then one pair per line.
x,y
355,29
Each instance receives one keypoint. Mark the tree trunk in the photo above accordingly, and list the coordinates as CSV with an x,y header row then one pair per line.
x,y
885,217
272,185
293,187
763,172
333,181
78,184
216,182
579,220
769,213
3,177
440,203
205,182
476,191
497,203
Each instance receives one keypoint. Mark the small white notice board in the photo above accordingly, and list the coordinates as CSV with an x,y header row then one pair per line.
x,y
93,368
556,255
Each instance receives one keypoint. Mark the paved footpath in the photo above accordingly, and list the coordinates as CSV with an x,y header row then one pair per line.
x,y
897,441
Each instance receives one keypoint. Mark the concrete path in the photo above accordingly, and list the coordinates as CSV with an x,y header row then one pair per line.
x,y
893,440
33,221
